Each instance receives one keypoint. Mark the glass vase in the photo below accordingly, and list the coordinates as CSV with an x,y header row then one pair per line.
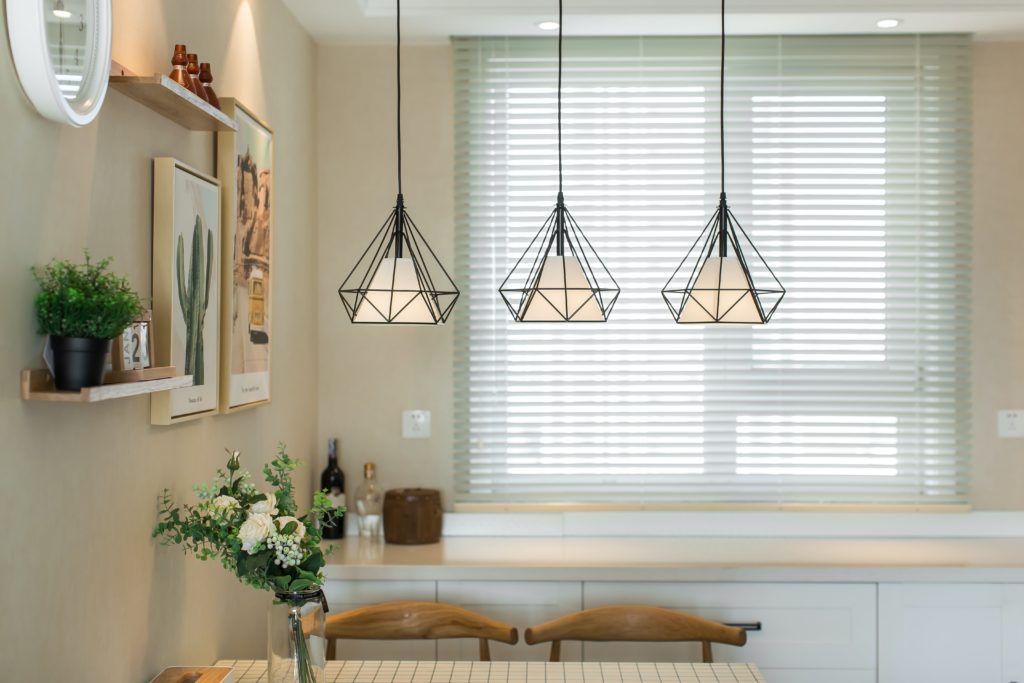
x,y
295,637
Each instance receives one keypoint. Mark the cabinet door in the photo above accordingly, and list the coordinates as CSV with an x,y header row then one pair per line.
x,y
940,633
519,603
1013,633
804,626
345,595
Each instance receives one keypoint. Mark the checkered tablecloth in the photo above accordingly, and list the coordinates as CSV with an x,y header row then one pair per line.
x,y
255,671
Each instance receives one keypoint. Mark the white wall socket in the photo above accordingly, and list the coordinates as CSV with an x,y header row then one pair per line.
x,y
415,424
1011,424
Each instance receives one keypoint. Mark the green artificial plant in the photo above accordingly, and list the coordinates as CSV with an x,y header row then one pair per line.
x,y
83,300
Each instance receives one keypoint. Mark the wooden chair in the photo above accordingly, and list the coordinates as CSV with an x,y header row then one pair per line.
x,y
411,620
634,623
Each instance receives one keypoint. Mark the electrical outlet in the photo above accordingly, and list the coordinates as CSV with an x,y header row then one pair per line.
x,y
416,424
1011,424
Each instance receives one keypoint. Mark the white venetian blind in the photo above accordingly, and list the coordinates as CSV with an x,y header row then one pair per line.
x,y
849,166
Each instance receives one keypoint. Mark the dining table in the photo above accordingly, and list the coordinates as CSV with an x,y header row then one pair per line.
x,y
352,671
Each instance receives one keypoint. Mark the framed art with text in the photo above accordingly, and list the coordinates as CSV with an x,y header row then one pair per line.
x,y
245,166
186,288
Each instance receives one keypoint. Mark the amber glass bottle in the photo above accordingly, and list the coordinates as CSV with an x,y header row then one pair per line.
x,y
179,72
193,72
206,78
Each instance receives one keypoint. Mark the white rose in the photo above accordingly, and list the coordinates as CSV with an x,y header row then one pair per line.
x,y
266,507
225,504
284,520
255,530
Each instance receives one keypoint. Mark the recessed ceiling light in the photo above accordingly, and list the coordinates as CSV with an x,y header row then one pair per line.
x,y
888,23
547,25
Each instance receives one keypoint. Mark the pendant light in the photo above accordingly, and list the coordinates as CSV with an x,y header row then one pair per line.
x,y
560,277
723,279
399,279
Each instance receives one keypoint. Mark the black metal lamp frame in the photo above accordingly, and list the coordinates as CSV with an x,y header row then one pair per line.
x,y
561,233
721,232
399,238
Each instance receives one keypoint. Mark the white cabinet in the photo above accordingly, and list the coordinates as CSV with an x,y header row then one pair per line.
x,y
345,595
519,603
951,633
810,632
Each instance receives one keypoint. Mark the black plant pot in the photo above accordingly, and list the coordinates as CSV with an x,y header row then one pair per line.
x,y
78,361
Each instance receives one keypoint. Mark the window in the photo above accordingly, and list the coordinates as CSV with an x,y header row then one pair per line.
x,y
849,165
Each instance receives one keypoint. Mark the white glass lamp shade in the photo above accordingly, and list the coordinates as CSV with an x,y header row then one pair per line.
x,y
396,295
723,293
561,292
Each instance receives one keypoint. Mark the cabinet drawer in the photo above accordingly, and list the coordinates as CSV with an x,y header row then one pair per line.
x,y
804,626
345,595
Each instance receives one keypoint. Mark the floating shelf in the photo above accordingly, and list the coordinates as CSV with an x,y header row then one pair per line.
x,y
37,385
166,97
144,375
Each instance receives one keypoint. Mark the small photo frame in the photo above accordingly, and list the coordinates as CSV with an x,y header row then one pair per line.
x,y
133,348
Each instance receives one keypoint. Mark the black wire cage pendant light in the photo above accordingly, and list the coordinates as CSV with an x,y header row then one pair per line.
x,y
399,279
560,277
723,278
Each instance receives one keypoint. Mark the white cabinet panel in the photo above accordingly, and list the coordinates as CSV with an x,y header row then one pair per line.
x,y
819,675
1013,633
940,633
804,626
519,603
345,595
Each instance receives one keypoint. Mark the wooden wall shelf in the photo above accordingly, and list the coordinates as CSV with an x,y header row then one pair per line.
x,y
166,97
37,385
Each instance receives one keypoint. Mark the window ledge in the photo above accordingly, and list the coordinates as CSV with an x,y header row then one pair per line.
x,y
719,524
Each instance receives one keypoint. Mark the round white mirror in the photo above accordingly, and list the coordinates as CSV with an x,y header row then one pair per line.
x,y
61,51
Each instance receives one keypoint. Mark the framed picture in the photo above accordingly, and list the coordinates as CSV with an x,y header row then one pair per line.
x,y
186,288
133,348
245,166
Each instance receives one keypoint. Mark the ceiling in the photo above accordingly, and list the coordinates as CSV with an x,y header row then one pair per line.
x,y
424,21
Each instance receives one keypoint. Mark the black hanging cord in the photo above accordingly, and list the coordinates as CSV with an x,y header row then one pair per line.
x,y
398,78
723,212
721,95
559,96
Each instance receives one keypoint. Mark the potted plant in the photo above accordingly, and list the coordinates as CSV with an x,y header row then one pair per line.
x,y
259,538
82,307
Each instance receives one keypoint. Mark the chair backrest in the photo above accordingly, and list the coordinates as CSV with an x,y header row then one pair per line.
x,y
413,620
634,623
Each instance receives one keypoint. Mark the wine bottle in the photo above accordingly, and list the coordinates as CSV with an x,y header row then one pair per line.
x,y
369,502
333,481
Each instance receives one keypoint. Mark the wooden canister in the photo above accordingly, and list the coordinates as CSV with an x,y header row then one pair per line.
x,y
412,516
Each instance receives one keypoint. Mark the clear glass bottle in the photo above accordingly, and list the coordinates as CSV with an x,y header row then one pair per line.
x,y
369,502
296,639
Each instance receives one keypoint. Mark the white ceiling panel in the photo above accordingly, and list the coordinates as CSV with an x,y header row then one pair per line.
x,y
372,21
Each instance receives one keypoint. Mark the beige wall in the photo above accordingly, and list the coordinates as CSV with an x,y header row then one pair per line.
x,y
86,595
998,322
369,374
356,191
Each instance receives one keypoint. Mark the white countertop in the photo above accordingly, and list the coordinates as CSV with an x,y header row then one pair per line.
x,y
982,560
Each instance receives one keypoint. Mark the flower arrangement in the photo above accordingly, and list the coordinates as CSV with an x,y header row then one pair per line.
x,y
255,535
259,537
83,300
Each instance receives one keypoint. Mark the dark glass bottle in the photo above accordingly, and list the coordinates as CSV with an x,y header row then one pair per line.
x,y
333,481
192,69
206,78
179,74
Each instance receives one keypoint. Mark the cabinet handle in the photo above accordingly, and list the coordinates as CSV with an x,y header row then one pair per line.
x,y
747,625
